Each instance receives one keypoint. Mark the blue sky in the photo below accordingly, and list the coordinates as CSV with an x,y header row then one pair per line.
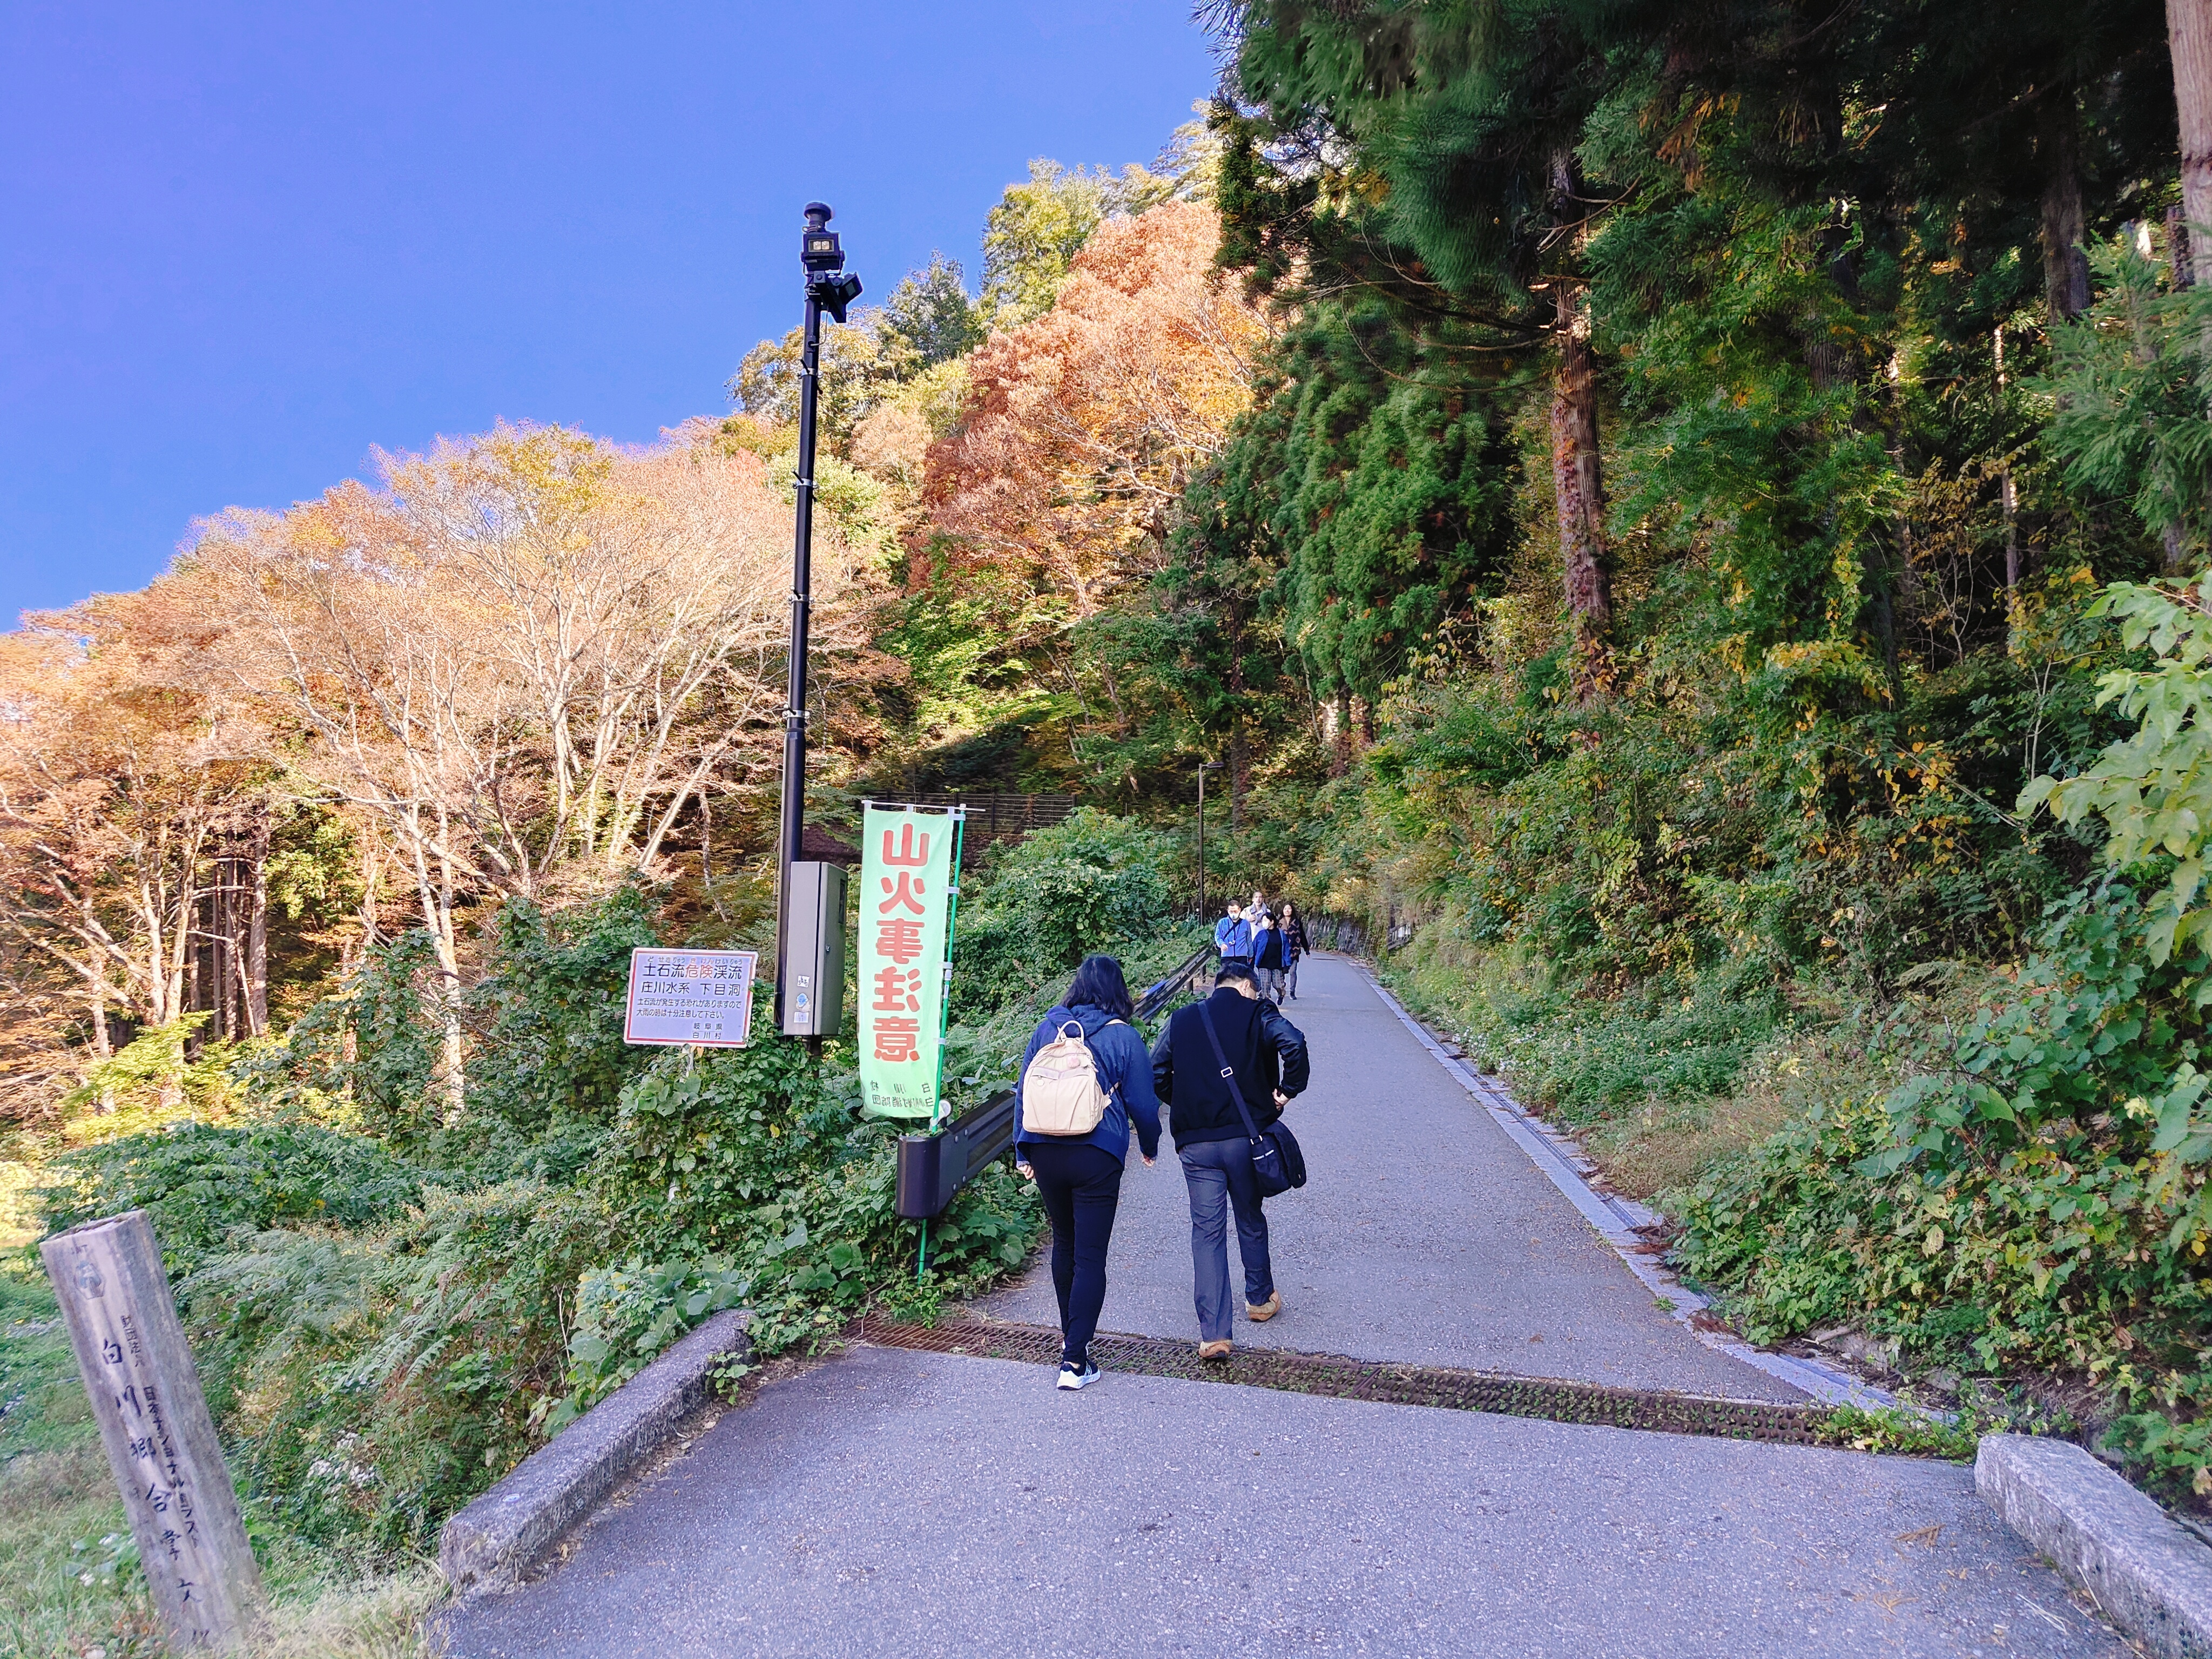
x,y
241,244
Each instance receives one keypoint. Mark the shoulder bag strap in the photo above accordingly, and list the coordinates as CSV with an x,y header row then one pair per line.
x,y
1228,1071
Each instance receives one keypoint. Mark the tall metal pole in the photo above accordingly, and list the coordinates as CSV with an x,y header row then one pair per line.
x,y
791,845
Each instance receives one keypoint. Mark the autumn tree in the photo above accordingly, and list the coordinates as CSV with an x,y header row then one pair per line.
x,y
123,771
1082,427
525,655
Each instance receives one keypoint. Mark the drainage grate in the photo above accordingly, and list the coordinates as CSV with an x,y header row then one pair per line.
x,y
1553,1398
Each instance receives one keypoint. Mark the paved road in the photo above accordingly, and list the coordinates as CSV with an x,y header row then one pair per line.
x,y
913,1504
1424,1234
916,1504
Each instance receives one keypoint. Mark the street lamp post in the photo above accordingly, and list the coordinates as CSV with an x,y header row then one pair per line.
x,y
824,259
1203,767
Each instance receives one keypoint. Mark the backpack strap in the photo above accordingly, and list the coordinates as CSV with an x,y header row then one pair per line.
x,y
1228,1071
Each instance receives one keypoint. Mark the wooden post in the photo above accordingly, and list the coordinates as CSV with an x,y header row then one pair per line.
x,y
154,1421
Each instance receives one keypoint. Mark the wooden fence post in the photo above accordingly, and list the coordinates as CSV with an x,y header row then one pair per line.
x,y
154,1421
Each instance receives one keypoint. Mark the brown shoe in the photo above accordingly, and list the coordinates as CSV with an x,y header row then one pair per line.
x,y
1266,1310
1214,1350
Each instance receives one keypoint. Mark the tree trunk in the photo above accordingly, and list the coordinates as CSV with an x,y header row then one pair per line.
x,y
2008,493
449,969
257,940
2058,149
2189,36
1580,486
1339,734
1237,757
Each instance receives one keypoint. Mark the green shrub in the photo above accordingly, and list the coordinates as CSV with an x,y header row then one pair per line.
x,y
370,1383
199,1183
2033,1199
556,993
1088,883
751,1159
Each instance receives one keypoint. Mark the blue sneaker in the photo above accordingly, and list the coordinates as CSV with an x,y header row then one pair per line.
x,y
1073,1376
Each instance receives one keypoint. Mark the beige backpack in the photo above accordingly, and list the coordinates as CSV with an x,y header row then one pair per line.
x,y
1060,1094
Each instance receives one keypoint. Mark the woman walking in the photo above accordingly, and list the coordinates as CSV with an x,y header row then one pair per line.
x,y
1268,958
1294,947
1080,1174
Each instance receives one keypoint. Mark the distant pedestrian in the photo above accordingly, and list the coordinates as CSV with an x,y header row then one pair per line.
x,y
1267,1056
1268,962
1232,936
1294,927
1079,1175
1258,907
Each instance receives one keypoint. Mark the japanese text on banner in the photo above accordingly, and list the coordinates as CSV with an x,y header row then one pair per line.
x,y
906,896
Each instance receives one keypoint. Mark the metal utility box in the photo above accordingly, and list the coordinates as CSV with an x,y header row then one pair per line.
x,y
814,950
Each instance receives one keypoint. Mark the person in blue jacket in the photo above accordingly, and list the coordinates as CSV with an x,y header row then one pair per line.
x,y
1080,1178
1233,935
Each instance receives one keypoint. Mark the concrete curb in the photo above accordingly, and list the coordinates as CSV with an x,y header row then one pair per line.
x,y
1616,1220
491,1543
2146,1574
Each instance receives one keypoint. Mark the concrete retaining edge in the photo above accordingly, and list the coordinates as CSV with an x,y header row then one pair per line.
x,y
489,1544
2146,1573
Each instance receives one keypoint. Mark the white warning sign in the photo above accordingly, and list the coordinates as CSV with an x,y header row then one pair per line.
x,y
704,997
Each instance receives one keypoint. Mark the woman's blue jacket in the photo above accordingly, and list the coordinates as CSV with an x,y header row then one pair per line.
x,y
1125,1068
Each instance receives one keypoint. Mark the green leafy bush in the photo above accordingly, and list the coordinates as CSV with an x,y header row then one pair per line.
x,y
557,993
751,1159
371,1382
2038,1194
1083,884
200,1182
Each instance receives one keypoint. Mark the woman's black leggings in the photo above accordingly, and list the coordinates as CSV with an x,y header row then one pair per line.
x,y
1082,1188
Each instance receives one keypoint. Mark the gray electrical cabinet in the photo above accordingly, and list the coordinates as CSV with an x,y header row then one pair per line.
x,y
814,950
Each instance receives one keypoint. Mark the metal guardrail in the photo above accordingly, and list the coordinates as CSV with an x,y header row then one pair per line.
x,y
933,1168
1179,981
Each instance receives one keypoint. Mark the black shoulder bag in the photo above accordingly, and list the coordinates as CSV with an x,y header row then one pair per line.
x,y
1276,1160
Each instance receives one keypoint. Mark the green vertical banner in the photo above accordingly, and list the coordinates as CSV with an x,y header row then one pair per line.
x,y
907,856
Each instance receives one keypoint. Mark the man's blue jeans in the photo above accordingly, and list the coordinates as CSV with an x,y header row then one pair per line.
x,y
1218,1174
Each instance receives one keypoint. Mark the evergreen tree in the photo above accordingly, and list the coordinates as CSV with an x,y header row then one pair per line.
x,y
929,319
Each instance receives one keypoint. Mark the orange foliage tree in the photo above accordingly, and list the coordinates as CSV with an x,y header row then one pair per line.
x,y
523,656
1083,426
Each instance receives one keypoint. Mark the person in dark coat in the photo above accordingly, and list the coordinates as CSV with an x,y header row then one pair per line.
x,y
1293,926
1268,958
1081,1178
1267,1055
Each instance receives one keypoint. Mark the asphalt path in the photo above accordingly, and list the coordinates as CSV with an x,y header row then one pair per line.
x,y
1423,1234
915,1504
900,1502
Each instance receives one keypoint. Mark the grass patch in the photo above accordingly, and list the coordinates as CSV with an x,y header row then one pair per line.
x,y
1893,1430
69,1580
1658,1086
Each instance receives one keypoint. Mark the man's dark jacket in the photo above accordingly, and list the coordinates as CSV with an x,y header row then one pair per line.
x,y
1265,1050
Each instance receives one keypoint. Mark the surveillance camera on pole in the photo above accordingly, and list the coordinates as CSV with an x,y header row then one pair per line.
x,y
809,898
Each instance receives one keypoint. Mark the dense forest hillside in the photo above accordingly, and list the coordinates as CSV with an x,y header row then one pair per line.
x,y
1684,528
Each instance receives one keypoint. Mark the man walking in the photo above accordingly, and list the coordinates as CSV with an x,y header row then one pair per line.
x,y
1267,1055
1232,936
